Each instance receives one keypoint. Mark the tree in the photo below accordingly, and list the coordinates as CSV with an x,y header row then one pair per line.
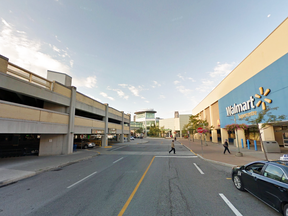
x,y
184,130
139,130
263,119
162,131
154,130
193,124
206,128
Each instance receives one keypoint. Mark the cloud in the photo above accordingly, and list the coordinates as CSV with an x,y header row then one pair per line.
x,y
147,101
106,96
222,69
56,37
176,82
119,92
26,53
183,90
55,49
269,15
88,82
206,86
190,78
123,85
134,90
181,77
156,84
177,18
162,96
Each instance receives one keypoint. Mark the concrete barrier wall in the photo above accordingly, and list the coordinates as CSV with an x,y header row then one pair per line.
x,y
116,126
15,111
86,100
86,122
61,89
114,111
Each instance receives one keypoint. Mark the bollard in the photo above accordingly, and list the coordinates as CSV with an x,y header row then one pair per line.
x,y
255,144
242,143
248,144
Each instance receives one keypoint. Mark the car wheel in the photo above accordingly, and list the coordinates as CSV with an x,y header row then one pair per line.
x,y
85,147
238,182
285,210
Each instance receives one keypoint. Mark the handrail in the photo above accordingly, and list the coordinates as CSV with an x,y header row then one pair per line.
x,y
22,73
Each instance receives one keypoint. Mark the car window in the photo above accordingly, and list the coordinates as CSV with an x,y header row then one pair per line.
x,y
284,179
255,168
274,172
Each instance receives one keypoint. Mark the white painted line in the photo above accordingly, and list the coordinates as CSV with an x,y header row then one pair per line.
x,y
177,156
236,212
199,169
117,160
118,148
81,180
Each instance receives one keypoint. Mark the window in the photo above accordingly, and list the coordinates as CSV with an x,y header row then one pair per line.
x,y
275,173
255,168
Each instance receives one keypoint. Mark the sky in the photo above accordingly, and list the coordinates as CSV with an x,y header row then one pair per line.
x,y
165,55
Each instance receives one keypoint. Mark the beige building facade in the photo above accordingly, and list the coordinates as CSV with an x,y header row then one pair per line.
x,y
51,112
174,126
258,82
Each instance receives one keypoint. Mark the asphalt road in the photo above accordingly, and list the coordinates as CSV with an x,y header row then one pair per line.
x,y
133,180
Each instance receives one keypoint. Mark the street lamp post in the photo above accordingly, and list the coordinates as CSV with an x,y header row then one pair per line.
x,y
238,154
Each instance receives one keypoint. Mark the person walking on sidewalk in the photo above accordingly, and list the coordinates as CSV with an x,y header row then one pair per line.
x,y
172,147
226,146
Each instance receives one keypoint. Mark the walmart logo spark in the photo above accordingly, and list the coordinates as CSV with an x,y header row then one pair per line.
x,y
261,90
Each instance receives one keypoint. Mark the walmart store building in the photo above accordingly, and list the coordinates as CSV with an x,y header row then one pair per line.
x,y
258,82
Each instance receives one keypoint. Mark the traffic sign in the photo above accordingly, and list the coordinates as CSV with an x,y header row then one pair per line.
x,y
200,130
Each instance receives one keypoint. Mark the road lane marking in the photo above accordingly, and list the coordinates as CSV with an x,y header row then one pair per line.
x,y
82,180
134,191
199,169
229,178
236,212
107,146
118,160
173,156
118,148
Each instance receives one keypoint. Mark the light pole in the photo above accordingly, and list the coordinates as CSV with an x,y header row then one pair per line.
x,y
238,154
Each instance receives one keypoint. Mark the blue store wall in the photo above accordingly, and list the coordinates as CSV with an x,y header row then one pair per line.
x,y
274,77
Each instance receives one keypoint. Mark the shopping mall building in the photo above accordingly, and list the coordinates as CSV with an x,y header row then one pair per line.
x,y
258,82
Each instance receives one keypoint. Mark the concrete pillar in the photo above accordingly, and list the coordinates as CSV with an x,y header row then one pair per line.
x,y
129,133
241,135
3,64
214,136
267,133
118,137
105,136
122,130
52,144
224,135
68,146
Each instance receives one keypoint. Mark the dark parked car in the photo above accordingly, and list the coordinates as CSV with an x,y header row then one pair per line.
x,y
267,180
84,143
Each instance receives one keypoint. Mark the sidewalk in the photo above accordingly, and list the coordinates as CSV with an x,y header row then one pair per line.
x,y
214,152
14,169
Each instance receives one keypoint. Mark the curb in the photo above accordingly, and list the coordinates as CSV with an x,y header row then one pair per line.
x,y
11,181
212,161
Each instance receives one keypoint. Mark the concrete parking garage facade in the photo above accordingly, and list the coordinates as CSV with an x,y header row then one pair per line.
x,y
53,110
